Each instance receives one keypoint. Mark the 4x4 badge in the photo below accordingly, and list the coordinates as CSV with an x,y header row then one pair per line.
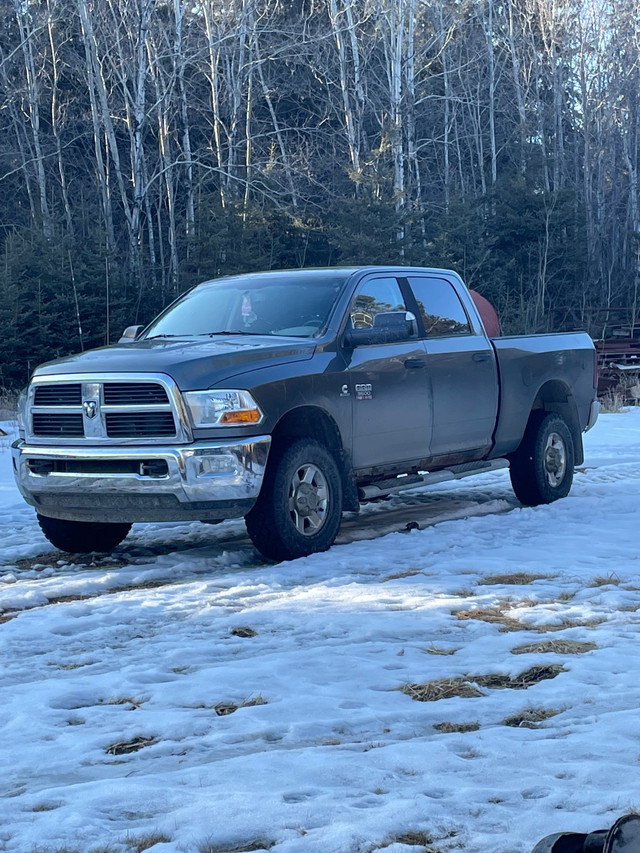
x,y
90,408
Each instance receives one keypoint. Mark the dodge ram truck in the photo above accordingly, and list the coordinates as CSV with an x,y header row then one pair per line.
x,y
288,397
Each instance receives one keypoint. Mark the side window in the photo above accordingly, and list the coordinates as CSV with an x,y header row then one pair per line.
x,y
440,307
376,296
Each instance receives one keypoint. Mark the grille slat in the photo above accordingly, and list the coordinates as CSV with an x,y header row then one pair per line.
x,y
59,395
48,424
139,424
134,394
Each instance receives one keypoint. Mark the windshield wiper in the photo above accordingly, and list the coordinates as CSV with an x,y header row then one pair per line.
x,y
166,335
230,332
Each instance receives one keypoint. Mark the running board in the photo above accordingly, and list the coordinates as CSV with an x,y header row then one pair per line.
x,y
413,481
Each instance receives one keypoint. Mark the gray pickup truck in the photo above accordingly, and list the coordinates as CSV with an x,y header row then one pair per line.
x,y
288,397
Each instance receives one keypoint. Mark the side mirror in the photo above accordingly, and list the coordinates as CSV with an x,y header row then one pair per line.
x,y
388,327
130,334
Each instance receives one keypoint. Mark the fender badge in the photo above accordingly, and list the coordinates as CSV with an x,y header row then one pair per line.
x,y
364,391
344,391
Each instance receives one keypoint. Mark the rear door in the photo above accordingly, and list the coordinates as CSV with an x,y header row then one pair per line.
x,y
461,368
387,383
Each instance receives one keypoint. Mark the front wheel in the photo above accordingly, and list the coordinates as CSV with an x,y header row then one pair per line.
x,y
299,508
79,537
542,467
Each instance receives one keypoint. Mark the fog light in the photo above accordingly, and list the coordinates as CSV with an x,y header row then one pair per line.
x,y
212,466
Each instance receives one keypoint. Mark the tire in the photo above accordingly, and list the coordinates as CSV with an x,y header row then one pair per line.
x,y
542,468
299,508
78,537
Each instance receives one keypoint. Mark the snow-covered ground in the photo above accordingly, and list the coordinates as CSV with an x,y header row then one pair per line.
x,y
181,695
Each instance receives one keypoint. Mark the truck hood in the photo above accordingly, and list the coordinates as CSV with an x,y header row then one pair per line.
x,y
194,363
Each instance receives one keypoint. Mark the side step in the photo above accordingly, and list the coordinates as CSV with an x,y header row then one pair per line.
x,y
426,478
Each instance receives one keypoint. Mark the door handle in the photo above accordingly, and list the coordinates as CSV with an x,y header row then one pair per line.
x,y
413,363
481,356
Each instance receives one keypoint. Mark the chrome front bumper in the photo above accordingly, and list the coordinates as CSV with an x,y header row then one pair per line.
x,y
205,481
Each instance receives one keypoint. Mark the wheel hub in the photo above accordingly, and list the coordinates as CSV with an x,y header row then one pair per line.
x,y
555,459
308,499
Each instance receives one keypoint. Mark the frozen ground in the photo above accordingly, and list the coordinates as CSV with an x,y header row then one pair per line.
x,y
180,695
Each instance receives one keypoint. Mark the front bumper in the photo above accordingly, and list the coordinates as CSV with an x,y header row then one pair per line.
x,y
205,481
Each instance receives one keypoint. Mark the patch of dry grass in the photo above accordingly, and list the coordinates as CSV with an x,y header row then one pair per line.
x,y
513,579
126,747
123,700
450,728
494,616
468,687
531,717
499,615
435,650
223,709
46,807
248,847
560,647
442,688
608,580
409,573
102,849
411,839
146,842
565,624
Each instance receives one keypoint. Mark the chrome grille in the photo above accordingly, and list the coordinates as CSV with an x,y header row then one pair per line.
x,y
106,409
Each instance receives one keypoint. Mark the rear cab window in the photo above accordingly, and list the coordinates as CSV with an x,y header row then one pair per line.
x,y
439,307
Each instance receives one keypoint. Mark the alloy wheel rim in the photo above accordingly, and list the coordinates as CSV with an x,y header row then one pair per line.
x,y
308,499
555,459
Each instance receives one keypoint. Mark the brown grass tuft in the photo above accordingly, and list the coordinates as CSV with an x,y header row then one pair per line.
x,y
145,842
560,647
609,580
223,709
514,579
467,687
409,573
127,746
529,718
434,650
493,615
449,728
443,688
249,847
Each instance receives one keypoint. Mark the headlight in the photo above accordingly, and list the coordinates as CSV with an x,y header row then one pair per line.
x,y
222,408
22,410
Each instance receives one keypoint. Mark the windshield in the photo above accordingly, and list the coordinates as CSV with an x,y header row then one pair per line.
x,y
290,304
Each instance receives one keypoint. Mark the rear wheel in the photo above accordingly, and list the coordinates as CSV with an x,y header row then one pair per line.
x,y
299,508
542,467
82,536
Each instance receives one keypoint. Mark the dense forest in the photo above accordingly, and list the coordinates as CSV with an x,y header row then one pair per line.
x,y
146,145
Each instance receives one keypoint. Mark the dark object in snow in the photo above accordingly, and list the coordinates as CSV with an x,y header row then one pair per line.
x,y
622,837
